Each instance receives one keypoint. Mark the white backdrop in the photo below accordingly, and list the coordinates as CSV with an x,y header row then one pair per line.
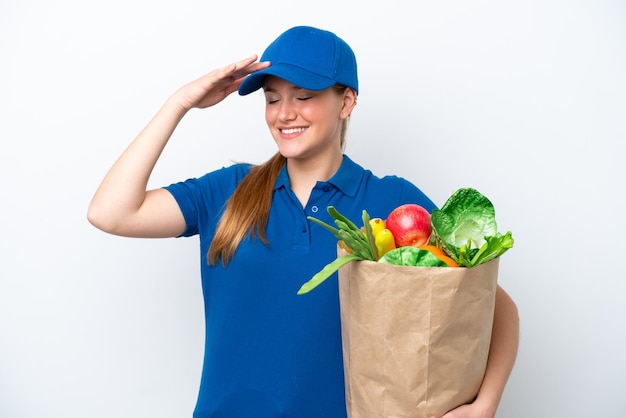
x,y
524,101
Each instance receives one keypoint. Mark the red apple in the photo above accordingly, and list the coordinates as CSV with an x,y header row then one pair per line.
x,y
410,225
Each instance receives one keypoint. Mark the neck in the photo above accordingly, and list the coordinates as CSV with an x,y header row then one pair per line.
x,y
303,175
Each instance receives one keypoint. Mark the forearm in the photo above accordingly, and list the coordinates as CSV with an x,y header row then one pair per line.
x,y
123,189
502,353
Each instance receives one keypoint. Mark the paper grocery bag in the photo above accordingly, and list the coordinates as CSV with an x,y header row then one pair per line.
x,y
415,339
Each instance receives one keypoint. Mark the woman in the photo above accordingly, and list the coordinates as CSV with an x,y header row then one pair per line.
x,y
269,352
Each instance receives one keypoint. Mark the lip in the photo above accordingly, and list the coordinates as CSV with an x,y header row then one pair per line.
x,y
290,131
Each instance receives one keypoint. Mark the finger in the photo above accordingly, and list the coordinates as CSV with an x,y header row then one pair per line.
x,y
248,66
246,61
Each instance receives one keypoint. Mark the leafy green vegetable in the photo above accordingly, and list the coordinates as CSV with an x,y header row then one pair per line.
x,y
362,245
411,256
465,228
326,272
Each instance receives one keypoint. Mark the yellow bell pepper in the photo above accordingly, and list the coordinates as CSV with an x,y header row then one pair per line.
x,y
384,242
377,225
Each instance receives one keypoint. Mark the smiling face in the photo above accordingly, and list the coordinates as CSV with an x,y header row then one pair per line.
x,y
306,124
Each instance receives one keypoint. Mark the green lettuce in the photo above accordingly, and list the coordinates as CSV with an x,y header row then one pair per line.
x,y
465,228
411,256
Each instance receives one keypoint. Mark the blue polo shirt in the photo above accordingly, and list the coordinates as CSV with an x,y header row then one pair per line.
x,y
269,352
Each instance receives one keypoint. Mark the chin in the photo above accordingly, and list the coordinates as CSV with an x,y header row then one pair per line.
x,y
289,152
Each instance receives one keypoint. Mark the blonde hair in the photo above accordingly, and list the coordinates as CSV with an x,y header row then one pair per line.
x,y
246,216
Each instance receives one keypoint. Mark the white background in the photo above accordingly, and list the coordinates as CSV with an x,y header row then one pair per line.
x,y
524,101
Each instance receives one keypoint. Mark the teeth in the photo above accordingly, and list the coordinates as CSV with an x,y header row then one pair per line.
x,y
292,131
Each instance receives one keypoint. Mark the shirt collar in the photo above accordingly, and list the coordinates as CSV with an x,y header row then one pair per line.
x,y
346,179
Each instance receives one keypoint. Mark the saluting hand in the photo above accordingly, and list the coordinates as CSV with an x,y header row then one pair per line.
x,y
215,86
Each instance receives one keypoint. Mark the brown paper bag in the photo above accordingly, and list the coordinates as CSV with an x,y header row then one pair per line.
x,y
415,339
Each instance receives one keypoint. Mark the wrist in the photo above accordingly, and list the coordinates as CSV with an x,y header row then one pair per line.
x,y
487,404
176,105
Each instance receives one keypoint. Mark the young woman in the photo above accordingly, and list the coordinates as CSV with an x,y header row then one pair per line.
x,y
269,352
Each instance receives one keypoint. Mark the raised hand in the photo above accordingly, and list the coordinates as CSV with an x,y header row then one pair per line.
x,y
215,86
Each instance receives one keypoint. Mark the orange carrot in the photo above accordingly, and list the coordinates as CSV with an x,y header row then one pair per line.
x,y
438,252
343,245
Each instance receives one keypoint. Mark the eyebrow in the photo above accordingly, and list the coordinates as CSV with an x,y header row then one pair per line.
x,y
272,90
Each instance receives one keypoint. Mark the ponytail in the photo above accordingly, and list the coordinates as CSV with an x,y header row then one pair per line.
x,y
245,215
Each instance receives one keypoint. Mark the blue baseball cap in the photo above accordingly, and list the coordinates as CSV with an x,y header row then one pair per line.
x,y
310,58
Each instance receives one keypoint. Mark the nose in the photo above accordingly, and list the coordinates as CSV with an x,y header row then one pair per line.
x,y
287,111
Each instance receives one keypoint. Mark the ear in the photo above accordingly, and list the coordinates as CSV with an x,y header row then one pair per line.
x,y
349,101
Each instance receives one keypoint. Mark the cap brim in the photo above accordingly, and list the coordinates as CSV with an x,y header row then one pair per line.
x,y
295,75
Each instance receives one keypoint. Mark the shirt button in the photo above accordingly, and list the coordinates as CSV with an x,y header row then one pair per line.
x,y
314,209
326,189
